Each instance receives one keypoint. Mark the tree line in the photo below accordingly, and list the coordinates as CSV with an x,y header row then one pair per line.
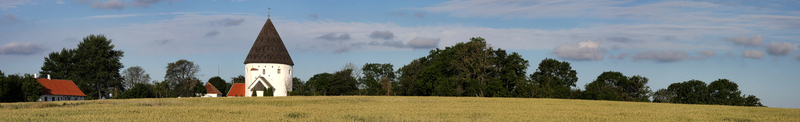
x,y
477,70
466,69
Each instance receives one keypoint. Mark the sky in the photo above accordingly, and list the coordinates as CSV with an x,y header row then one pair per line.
x,y
752,43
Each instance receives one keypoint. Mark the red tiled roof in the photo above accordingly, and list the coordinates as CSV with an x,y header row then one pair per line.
x,y
60,87
236,90
210,89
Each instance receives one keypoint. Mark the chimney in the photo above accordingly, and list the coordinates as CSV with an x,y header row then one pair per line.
x,y
36,75
48,77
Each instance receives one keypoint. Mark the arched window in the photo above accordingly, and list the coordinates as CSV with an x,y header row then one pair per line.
x,y
263,71
279,71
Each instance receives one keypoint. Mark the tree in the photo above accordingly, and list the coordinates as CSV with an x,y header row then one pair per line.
x,y
553,79
377,78
182,75
338,83
721,92
319,84
31,88
343,83
9,87
612,85
511,72
466,69
387,85
140,90
94,66
219,83
637,88
237,79
19,88
355,70
134,75
408,77
751,100
725,92
200,89
664,96
298,87
690,92
162,89
605,87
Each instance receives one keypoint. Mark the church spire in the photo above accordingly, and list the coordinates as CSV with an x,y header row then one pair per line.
x,y
268,47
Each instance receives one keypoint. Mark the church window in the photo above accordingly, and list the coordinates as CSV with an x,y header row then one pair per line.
x,y
264,71
279,71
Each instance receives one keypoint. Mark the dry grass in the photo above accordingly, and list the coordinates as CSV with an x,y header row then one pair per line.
x,y
380,108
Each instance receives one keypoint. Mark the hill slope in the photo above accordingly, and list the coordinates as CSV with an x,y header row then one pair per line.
x,y
378,108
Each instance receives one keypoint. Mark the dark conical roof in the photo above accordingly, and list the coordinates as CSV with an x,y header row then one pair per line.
x,y
268,47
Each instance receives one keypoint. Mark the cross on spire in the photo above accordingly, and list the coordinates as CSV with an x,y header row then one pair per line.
x,y
268,8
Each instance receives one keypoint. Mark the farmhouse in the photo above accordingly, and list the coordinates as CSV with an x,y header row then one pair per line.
x,y
267,65
59,90
212,91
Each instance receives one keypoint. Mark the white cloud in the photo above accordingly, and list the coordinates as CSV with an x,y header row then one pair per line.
x,y
148,3
314,16
385,35
60,2
423,43
707,53
779,48
754,54
188,30
5,4
83,1
15,48
212,34
621,39
775,21
419,14
661,56
586,50
108,5
333,37
388,43
746,41
341,50
797,57
621,56
529,9
228,22
11,18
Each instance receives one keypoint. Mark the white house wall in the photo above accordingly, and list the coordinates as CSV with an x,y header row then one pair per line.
x,y
212,95
282,82
59,98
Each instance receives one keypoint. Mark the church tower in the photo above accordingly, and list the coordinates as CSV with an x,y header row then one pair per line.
x,y
268,65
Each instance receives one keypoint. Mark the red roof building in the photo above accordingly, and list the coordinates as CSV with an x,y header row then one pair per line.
x,y
57,90
212,91
237,90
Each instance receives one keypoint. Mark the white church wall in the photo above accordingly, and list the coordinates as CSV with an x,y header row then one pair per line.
x,y
280,75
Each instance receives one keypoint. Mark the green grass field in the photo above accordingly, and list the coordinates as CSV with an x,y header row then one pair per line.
x,y
381,108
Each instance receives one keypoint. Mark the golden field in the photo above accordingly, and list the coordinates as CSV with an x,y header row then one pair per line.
x,y
381,108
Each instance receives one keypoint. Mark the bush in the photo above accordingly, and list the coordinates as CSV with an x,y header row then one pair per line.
x,y
139,91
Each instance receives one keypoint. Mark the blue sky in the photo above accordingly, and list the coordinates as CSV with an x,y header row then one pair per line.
x,y
753,43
